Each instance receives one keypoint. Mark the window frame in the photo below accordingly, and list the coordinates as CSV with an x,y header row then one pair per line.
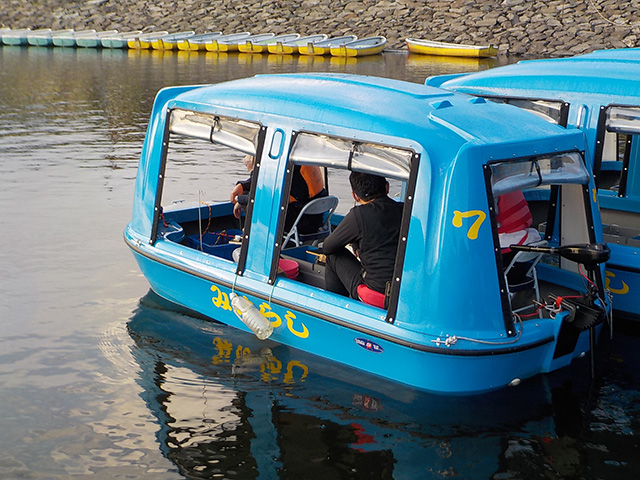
x,y
414,158
600,143
258,143
550,231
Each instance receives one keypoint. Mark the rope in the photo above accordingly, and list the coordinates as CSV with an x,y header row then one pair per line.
x,y
633,25
451,340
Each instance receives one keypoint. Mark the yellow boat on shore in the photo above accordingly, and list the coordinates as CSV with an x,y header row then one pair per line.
x,y
291,47
360,48
324,47
262,46
428,47
170,41
196,43
143,41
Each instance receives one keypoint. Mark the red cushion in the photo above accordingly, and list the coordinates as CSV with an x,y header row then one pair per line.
x,y
289,267
370,297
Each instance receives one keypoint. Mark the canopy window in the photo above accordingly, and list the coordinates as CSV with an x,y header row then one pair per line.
x,y
326,151
338,156
623,119
553,111
617,147
538,171
231,132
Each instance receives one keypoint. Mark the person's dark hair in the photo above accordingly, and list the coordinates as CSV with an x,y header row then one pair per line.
x,y
368,186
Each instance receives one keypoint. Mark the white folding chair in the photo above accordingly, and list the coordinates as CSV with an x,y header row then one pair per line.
x,y
324,205
531,276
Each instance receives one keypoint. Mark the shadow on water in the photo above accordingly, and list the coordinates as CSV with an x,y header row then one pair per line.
x,y
227,402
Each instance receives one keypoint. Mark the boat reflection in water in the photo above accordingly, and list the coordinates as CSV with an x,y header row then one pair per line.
x,y
230,404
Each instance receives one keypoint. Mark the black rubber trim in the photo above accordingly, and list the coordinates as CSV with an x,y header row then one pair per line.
x,y
622,268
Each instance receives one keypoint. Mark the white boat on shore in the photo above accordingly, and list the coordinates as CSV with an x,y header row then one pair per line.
x,y
324,47
197,42
291,47
94,40
119,40
44,37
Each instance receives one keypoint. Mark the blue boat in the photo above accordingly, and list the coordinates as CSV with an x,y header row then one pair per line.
x,y
600,94
453,320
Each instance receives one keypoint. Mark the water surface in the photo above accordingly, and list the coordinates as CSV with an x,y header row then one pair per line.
x,y
99,376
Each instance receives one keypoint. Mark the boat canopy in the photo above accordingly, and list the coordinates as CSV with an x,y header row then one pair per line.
x,y
601,77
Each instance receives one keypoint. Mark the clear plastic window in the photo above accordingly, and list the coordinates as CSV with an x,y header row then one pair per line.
x,y
623,119
534,172
549,110
231,132
323,150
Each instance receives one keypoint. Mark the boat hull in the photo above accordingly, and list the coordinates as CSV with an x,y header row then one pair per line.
x,y
450,50
427,365
119,40
15,37
263,46
312,49
282,49
94,41
14,40
324,48
292,48
144,41
357,51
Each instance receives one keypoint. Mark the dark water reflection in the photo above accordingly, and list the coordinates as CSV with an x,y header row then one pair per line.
x,y
97,376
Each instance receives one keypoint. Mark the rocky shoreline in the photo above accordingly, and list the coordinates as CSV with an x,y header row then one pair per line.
x,y
528,28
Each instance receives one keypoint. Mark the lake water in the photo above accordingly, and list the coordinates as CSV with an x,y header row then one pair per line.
x,y
100,377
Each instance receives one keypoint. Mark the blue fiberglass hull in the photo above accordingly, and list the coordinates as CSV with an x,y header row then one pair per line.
x,y
391,354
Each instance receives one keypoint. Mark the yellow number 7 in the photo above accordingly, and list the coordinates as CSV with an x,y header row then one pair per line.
x,y
472,234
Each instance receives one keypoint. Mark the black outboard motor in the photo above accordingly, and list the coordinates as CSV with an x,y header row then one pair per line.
x,y
588,254
584,312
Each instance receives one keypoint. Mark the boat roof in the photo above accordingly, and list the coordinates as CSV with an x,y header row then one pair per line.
x,y
603,77
416,115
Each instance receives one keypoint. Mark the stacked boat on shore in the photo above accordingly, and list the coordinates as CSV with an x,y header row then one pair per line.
x,y
245,42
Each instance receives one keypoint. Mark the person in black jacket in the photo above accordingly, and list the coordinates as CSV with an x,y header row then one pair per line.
x,y
372,228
